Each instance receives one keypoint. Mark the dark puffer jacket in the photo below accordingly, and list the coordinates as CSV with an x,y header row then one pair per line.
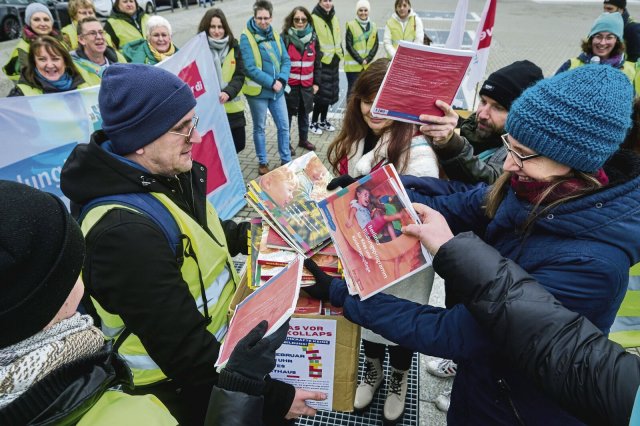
x,y
329,91
561,351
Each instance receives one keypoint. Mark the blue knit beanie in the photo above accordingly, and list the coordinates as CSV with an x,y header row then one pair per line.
x,y
608,22
140,103
577,118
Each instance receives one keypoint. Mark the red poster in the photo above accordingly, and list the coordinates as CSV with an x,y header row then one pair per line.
x,y
417,77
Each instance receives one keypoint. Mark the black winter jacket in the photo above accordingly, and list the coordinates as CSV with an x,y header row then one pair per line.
x,y
329,91
145,286
136,23
564,353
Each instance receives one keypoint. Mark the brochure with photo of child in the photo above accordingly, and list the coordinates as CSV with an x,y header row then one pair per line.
x,y
275,302
364,220
287,198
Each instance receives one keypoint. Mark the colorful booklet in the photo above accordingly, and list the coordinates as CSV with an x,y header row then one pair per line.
x,y
418,76
287,199
364,220
308,305
275,302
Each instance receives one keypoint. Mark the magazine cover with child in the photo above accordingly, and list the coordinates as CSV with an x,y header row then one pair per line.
x,y
288,199
365,221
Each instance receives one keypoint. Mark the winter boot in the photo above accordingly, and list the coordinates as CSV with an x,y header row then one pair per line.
x,y
397,392
371,381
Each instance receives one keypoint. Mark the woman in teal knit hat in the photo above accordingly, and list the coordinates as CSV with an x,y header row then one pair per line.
x,y
604,45
566,209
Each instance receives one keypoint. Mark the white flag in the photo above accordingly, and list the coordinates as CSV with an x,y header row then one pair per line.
x,y
481,44
456,33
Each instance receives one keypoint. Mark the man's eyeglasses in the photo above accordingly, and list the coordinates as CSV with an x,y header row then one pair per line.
x,y
94,34
300,20
517,158
187,137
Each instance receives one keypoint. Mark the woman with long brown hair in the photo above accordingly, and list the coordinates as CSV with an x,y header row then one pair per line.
x,y
301,42
362,146
49,69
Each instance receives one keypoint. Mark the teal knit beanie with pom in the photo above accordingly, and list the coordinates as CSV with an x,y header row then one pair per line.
x,y
577,118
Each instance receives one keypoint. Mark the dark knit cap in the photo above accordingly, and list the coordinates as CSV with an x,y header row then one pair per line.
x,y
617,3
578,118
41,254
505,85
140,103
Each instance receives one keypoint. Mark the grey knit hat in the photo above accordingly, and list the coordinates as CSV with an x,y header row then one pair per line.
x,y
35,8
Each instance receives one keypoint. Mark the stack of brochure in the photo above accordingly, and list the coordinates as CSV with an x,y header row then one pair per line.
x,y
269,254
286,198
365,221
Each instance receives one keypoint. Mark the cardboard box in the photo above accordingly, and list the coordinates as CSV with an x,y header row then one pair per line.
x,y
345,377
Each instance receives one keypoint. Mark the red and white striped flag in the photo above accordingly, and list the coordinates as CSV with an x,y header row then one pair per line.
x,y
481,44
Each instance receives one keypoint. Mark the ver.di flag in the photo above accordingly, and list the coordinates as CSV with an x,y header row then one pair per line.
x,y
39,132
481,44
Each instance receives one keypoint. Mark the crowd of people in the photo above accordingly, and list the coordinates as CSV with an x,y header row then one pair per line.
x,y
528,205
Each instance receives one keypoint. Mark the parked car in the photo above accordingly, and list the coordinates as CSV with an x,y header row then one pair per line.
x,y
12,16
103,7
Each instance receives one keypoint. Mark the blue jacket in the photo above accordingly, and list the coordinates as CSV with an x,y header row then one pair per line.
x,y
274,67
580,251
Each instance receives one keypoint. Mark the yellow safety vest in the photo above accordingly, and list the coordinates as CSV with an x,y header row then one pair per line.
x,y
228,68
118,408
395,27
28,90
213,266
330,42
252,88
362,45
125,31
628,68
626,327
13,65
71,39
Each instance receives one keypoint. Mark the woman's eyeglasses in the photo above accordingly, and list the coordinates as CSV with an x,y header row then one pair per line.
x,y
300,20
517,158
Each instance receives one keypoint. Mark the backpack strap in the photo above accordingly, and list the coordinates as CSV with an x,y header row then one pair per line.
x,y
149,206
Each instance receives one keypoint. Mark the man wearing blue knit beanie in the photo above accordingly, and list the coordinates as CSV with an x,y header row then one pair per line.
x,y
158,266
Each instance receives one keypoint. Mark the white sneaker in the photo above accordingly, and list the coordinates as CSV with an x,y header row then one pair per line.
x,y
442,367
325,125
394,404
371,381
443,401
315,129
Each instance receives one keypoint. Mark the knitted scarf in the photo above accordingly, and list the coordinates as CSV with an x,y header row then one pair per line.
x,y
531,191
162,56
300,38
29,35
219,50
63,84
28,361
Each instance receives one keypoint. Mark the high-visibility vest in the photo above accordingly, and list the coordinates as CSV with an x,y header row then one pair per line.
x,y
203,259
228,68
118,408
361,45
628,68
12,67
92,72
252,88
126,32
626,327
330,41
71,31
302,65
397,34
28,90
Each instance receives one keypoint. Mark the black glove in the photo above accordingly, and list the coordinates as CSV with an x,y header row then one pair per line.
x,y
341,182
320,290
255,356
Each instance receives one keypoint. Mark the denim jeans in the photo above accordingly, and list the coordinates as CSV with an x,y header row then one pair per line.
x,y
278,108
